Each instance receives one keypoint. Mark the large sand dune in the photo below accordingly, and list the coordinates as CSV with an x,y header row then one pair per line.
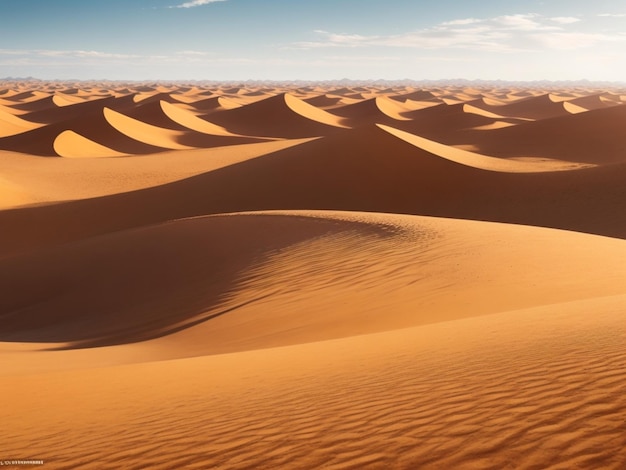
x,y
314,277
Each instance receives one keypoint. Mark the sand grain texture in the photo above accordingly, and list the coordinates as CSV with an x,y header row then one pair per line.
x,y
235,277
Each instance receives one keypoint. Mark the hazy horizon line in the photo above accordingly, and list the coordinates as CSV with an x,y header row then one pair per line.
x,y
315,81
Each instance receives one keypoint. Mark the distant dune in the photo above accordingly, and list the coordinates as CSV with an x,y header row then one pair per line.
x,y
239,276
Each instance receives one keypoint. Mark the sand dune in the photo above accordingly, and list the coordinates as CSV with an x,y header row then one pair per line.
x,y
323,101
12,195
589,137
152,112
448,123
373,110
6,108
62,99
268,279
214,103
535,107
29,96
483,162
37,103
12,125
69,144
67,113
540,388
255,275
52,180
364,169
418,95
280,116
91,125
317,401
191,121
587,103
158,136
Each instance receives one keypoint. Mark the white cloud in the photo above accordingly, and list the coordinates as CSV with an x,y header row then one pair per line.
x,y
564,19
527,22
196,3
461,22
508,33
613,15
193,53
81,54
574,40
12,52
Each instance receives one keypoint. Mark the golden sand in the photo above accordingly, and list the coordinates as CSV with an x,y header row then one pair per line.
x,y
315,277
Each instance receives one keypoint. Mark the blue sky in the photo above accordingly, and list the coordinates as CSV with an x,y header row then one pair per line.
x,y
313,40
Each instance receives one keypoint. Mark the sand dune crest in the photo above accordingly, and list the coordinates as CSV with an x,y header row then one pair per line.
x,y
143,132
484,162
69,144
312,275
11,124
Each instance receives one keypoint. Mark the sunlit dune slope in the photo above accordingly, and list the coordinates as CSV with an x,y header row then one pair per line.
x,y
279,116
93,126
535,107
365,169
594,137
540,387
442,121
483,162
373,110
58,114
81,176
11,124
377,277
258,280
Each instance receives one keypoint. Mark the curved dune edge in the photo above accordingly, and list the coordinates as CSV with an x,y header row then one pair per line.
x,y
309,111
574,108
530,108
8,109
227,103
145,133
70,179
484,162
471,109
139,97
11,124
70,144
468,108
392,109
62,101
272,279
413,105
193,122
493,126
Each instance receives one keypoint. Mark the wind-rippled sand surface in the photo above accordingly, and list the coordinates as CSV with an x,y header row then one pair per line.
x,y
231,277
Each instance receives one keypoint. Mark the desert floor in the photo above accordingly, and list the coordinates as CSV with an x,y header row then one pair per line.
x,y
326,277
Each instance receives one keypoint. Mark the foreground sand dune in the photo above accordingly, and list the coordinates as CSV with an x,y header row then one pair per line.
x,y
538,388
262,279
345,277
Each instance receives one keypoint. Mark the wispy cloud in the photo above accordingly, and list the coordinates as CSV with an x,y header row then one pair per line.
x,y
196,3
82,54
575,40
508,33
564,19
191,53
613,15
